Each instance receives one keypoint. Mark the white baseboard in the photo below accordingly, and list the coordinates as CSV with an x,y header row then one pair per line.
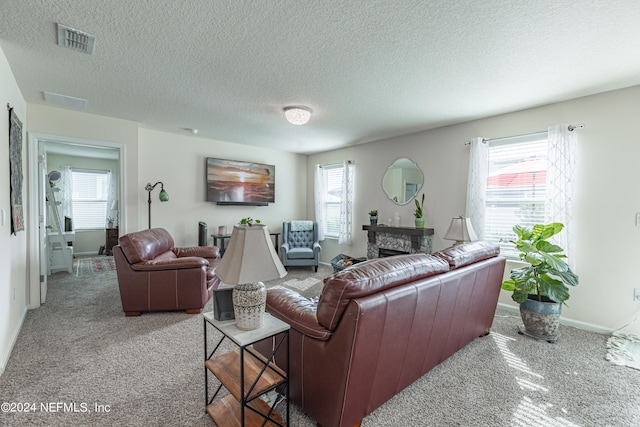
x,y
5,357
564,321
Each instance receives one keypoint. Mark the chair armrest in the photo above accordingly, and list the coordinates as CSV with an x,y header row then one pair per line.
x,y
285,247
198,251
316,247
299,312
170,264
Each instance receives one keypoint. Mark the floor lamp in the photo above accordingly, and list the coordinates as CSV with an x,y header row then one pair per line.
x,y
164,197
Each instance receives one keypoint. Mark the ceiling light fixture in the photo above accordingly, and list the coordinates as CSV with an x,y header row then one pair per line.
x,y
297,115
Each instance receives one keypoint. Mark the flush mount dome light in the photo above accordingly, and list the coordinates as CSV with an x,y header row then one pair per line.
x,y
297,115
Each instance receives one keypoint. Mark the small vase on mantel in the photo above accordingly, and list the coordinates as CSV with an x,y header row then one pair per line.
x,y
419,222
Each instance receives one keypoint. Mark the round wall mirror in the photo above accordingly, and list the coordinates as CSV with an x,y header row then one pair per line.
x,y
402,181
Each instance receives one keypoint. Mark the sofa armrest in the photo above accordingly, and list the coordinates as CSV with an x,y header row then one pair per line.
x,y
170,264
316,248
299,312
212,252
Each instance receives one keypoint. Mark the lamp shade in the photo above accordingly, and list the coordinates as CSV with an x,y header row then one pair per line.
x,y
250,257
114,205
460,230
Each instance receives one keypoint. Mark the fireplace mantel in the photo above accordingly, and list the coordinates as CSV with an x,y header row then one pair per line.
x,y
415,234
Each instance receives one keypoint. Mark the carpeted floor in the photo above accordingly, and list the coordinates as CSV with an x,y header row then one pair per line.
x,y
79,352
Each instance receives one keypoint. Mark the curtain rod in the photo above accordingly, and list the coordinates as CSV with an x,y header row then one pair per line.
x,y
571,128
333,164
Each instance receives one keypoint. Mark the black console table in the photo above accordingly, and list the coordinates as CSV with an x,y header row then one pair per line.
x,y
223,237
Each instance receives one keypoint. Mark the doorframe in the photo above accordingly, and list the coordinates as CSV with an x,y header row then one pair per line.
x,y
36,191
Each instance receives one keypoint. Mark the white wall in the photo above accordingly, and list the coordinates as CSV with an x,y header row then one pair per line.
x,y
179,162
91,128
607,241
13,248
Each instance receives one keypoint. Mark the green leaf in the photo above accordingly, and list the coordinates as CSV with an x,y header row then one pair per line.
x,y
525,246
509,285
522,232
534,258
548,247
554,262
546,231
568,277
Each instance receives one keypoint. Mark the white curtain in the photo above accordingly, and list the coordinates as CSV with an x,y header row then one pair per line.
x,y
66,192
477,184
345,236
561,165
319,194
112,188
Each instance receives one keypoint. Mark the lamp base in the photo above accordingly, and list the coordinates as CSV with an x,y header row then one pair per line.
x,y
249,302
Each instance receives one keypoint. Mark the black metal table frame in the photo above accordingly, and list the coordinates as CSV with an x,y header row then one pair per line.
x,y
246,398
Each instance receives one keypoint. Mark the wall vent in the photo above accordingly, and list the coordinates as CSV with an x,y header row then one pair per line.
x,y
76,40
67,101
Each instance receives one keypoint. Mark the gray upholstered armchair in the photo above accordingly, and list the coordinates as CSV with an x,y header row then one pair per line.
x,y
300,243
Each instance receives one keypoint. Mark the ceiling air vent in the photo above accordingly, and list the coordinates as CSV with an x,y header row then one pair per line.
x,y
76,40
67,101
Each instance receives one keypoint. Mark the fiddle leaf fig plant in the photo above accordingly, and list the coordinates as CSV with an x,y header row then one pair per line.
x,y
547,273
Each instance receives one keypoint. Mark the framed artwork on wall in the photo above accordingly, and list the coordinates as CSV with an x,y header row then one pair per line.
x,y
15,161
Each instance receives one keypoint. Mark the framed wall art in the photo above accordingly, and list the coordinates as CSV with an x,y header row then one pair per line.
x,y
15,170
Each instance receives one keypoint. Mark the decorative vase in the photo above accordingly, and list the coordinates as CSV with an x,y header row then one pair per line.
x,y
419,222
249,302
110,224
541,318
374,220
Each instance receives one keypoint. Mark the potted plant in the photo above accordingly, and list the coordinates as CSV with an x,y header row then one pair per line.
x,y
109,222
418,212
542,286
249,221
373,216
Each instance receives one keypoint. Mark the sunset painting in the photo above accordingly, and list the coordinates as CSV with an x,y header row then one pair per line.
x,y
241,182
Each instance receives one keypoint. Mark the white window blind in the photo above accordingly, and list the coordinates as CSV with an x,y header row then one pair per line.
x,y
89,199
332,176
516,187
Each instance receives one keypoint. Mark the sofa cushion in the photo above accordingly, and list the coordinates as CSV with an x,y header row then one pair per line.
x,y
468,253
300,253
146,245
369,277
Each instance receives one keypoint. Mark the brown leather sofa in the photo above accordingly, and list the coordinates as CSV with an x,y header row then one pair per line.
x,y
382,324
153,275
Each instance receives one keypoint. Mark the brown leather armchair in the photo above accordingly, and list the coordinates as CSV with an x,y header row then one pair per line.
x,y
153,275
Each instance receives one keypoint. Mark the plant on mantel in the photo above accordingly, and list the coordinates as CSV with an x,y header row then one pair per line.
x,y
418,213
373,216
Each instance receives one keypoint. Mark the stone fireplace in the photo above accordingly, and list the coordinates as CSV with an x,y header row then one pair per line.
x,y
397,240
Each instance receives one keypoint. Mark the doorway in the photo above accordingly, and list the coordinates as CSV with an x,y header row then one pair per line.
x,y
39,148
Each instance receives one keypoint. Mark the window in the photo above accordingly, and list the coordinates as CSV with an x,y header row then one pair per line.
x,y
516,187
332,177
89,196
334,201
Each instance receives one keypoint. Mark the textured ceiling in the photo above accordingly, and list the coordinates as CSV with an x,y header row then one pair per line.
x,y
368,69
